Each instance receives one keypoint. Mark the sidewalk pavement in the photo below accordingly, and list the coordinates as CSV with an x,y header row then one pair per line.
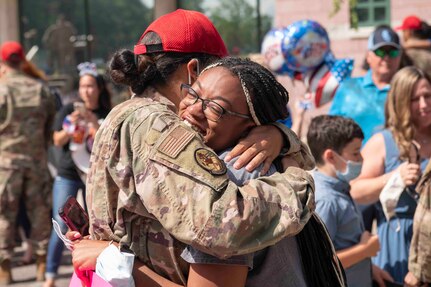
x,y
24,276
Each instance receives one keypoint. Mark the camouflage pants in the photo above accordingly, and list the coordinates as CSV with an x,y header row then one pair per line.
x,y
34,185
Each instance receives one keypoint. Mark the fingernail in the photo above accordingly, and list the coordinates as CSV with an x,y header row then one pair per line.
x,y
76,235
236,165
227,158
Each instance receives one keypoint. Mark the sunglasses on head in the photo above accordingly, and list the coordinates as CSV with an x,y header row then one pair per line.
x,y
392,53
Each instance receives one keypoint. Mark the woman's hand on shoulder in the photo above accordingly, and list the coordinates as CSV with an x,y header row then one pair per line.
x,y
262,145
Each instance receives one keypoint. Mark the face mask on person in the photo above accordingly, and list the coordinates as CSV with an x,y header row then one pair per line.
x,y
353,169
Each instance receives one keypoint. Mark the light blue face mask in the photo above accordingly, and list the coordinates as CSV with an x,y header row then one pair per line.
x,y
353,170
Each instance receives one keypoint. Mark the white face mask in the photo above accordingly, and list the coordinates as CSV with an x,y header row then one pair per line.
x,y
389,197
353,170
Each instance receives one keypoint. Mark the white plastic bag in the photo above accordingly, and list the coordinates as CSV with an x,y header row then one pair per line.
x,y
391,194
116,267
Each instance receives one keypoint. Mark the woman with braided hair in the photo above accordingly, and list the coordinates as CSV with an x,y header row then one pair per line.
x,y
401,150
230,97
155,187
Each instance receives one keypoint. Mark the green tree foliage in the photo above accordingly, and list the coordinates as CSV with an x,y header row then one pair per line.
x,y
336,6
191,5
114,24
236,20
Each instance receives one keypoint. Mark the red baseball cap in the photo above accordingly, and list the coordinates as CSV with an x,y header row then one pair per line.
x,y
410,23
11,48
183,31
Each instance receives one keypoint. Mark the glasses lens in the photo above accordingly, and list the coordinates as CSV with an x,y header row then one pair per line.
x,y
380,53
394,53
213,111
188,94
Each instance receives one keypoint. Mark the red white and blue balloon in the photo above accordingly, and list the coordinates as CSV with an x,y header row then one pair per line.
x,y
305,46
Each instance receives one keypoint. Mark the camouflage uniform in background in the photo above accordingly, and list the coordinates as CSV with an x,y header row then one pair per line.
x,y
420,248
27,111
154,186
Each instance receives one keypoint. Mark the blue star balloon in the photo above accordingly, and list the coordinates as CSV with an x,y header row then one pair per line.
x,y
271,50
305,46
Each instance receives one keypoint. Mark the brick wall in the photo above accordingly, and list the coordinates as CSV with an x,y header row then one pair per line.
x,y
345,42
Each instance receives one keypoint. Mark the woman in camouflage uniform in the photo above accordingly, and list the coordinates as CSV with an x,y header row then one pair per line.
x,y
153,186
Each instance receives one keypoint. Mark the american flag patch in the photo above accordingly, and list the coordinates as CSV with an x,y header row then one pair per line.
x,y
176,141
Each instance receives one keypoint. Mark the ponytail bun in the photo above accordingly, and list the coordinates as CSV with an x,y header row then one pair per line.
x,y
123,70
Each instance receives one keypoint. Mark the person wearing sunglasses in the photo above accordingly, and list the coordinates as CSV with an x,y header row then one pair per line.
x,y
363,98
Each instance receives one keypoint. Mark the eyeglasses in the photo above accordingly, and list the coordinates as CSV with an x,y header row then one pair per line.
x,y
392,53
211,109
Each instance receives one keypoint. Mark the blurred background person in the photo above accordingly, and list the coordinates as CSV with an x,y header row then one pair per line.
x,y
74,128
407,124
335,143
23,222
417,42
27,112
363,98
416,33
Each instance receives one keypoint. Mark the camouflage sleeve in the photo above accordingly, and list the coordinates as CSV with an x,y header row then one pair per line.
x,y
297,149
420,247
183,184
5,107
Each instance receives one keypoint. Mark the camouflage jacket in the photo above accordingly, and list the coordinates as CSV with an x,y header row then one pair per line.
x,y
154,186
27,111
420,248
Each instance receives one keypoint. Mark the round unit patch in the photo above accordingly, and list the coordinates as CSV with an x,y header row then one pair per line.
x,y
209,161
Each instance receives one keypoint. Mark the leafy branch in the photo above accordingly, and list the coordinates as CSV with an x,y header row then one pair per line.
x,y
336,6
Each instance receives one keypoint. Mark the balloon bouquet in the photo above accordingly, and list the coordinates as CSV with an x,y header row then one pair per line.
x,y
302,52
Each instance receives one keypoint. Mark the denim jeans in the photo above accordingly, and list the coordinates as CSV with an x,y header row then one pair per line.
x,y
62,189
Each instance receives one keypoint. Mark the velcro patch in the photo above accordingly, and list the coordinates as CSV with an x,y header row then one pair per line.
x,y
159,125
176,141
209,161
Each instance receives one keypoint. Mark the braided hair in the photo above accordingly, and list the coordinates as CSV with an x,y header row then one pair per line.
x,y
260,87
267,101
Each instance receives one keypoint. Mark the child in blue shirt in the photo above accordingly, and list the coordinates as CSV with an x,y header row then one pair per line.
x,y
335,143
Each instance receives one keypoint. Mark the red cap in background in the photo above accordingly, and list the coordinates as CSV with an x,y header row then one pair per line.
x,y
410,23
11,48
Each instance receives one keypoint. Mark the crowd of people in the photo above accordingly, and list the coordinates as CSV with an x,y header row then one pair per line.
x,y
199,178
